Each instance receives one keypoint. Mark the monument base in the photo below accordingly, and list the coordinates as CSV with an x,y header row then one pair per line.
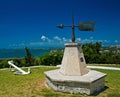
x,y
89,83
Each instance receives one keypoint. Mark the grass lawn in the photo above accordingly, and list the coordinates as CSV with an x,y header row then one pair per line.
x,y
33,85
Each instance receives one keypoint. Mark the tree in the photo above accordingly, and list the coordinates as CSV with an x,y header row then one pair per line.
x,y
29,59
53,58
91,52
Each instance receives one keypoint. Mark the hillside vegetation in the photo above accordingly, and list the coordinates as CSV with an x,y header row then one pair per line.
x,y
94,54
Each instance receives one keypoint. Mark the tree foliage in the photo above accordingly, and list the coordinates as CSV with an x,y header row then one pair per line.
x,y
29,59
95,53
91,52
53,58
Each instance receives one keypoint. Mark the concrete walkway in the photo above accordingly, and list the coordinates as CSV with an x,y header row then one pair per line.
x,y
103,67
94,67
99,67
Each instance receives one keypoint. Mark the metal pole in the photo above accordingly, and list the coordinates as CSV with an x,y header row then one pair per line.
x,y
73,33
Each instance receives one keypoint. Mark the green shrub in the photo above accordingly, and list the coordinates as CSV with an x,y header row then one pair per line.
x,y
54,58
19,62
29,59
4,64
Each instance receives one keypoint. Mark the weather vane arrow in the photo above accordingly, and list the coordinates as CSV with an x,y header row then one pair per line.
x,y
83,26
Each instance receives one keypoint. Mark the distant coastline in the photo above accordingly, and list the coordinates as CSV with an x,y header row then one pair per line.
x,y
20,53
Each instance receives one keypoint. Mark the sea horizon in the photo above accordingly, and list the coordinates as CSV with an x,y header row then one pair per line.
x,y
11,53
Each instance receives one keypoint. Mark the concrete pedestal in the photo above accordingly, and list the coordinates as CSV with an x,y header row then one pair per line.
x,y
88,84
73,76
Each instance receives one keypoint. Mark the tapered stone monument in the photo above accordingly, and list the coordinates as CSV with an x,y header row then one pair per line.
x,y
73,55
73,75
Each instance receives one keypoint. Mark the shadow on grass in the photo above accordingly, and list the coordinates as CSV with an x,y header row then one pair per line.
x,y
97,93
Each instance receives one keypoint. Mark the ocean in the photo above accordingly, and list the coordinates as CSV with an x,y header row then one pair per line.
x,y
20,53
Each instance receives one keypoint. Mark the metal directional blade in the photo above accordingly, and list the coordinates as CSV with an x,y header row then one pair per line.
x,y
86,26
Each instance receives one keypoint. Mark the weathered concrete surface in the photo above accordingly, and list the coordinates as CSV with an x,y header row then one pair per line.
x,y
73,62
87,84
74,76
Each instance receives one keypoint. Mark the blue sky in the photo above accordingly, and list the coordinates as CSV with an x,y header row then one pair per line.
x,y
33,23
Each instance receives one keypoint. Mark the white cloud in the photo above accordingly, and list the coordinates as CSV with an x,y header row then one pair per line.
x,y
22,44
43,37
78,39
116,41
17,45
105,41
36,43
12,45
64,39
57,41
57,38
86,40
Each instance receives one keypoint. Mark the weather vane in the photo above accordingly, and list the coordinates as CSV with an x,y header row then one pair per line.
x,y
83,26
